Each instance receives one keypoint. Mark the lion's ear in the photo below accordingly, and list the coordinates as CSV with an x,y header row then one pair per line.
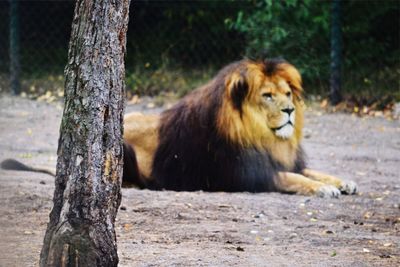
x,y
238,90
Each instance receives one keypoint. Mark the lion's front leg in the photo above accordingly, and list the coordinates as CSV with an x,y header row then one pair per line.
x,y
348,187
296,183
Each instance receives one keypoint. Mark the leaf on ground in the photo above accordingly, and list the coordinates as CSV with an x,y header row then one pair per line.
x,y
134,100
128,226
26,156
368,214
324,103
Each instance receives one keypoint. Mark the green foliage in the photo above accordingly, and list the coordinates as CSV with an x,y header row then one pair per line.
x,y
182,34
295,30
299,31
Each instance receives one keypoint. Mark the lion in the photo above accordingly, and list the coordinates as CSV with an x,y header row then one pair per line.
x,y
240,132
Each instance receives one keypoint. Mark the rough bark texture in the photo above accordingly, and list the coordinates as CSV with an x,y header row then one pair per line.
x,y
89,166
336,53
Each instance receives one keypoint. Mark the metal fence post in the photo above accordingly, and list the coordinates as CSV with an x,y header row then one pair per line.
x,y
336,53
14,48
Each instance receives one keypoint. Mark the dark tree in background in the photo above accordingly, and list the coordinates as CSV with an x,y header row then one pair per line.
x,y
336,53
89,166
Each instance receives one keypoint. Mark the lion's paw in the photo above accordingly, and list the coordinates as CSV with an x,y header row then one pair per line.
x,y
348,187
327,191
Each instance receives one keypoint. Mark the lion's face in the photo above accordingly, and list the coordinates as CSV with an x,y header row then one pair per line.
x,y
275,100
263,105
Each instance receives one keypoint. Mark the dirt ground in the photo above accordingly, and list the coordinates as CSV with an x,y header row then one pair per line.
x,y
221,229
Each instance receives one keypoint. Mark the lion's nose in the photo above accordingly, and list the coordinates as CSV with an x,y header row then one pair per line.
x,y
288,110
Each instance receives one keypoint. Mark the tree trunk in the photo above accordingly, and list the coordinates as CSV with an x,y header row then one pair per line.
x,y
89,165
336,53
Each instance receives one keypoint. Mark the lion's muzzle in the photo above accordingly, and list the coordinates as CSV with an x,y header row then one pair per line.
x,y
286,128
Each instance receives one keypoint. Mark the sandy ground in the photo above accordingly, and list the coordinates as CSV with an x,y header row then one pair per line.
x,y
221,229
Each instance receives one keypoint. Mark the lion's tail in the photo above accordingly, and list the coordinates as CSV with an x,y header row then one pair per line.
x,y
15,165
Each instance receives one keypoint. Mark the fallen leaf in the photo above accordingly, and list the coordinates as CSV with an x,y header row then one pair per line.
x,y
128,226
324,103
368,214
134,100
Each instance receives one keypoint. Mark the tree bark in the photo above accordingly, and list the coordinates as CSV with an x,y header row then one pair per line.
x,y
90,153
336,53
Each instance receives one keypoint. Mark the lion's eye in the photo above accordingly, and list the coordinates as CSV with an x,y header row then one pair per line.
x,y
267,96
288,94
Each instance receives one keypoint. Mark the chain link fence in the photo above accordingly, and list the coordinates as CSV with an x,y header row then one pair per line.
x,y
171,45
175,45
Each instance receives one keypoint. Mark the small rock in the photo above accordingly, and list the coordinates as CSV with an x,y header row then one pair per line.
x,y
293,235
42,182
122,208
239,249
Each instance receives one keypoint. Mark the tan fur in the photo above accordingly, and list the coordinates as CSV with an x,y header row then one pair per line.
x,y
323,177
141,132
